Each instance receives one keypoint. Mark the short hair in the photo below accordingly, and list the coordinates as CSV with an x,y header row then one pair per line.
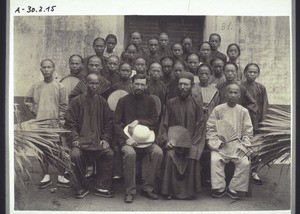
x,y
152,39
186,37
125,63
139,76
205,65
192,53
77,56
138,33
94,56
155,63
99,38
111,56
215,59
177,43
237,46
111,36
140,58
86,78
164,33
214,34
205,42
231,63
49,60
166,57
127,46
251,64
228,86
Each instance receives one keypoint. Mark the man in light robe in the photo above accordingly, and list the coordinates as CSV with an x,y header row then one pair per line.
x,y
94,66
230,141
90,121
138,108
181,169
48,99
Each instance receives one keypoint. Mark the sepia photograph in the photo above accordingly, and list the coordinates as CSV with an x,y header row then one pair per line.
x,y
133,110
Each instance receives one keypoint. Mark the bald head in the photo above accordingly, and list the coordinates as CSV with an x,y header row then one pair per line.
x,y
92,77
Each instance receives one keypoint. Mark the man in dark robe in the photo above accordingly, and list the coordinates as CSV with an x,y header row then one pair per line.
x,y
124,82
90,122
246,100
138,108
164,49
215,41
181,171
111,71
153,56
94,66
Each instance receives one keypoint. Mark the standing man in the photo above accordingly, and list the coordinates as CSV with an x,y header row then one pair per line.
x,y
90,121
237,121
76,66
133,109
94,66
181,171
48,99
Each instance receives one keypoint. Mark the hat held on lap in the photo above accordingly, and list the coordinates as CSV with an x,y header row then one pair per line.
x,y
142,135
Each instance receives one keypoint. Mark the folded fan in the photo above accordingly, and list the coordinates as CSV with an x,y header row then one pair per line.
x,y
157,103
226,131
208,94
179,136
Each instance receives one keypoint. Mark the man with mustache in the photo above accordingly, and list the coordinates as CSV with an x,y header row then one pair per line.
x,y
133,109
181,170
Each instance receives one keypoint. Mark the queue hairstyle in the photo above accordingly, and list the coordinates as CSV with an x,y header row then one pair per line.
x,y
205,65
99,38
215,34
76,55
111,36
47,60
237,46
252,64
231,63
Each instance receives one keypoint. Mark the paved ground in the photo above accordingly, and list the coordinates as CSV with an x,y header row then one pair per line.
x,y
273,195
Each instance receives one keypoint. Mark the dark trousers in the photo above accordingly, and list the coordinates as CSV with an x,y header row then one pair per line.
x,y
104,166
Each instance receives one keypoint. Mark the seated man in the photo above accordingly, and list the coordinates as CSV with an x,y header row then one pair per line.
x,y
137,108
90,121
229,133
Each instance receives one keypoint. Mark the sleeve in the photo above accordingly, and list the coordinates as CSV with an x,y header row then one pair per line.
x,y
151,123
119,123
71,122
162,137
107,133
211,132
247,131
251,105
29,102
63,101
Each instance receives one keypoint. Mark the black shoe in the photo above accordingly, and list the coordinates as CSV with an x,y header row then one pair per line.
x,y
61,184
233,195
106,194
43,185
149,195
218,194
81,193
128,198
256,181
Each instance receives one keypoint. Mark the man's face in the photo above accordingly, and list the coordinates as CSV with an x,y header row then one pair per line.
x,y
178,68
233,94
111,44
177,50
131,52
113,64
155,71
167,66
184,86
99,47
136,38
139,86
163,40
187,45
215,42
75,65
140,65
47,69
204,74
94,65
125,71
233,53
93,84
192,63
153,46
205,51
252,73
230,72
217,67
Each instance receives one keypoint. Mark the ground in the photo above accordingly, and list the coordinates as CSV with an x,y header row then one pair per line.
x,y
274,194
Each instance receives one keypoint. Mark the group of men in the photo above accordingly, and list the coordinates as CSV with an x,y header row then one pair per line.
x,y
200,95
